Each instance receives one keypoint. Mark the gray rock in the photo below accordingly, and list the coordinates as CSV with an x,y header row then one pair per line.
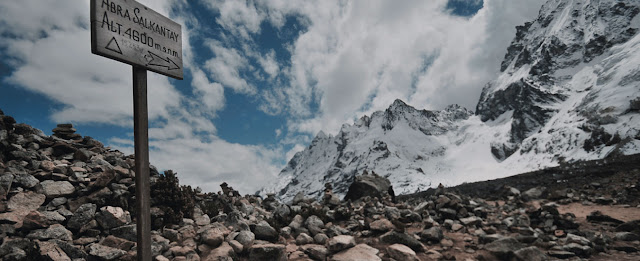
x,y
432,235
25,201
627,236
264,231
393,237
381,225
127,232
572,238
503,248
358,252
55,231
26,181
202,219
105,252
71,250
471,221
317,252
579,250
82,216
303,239
369,185
339,243
54,189
561,254
298,198
212,237
533,193
275,252
448,213
83,155
631,226
320,238
401,252
237,247
246,238
110,217
49,250
314,224
531,253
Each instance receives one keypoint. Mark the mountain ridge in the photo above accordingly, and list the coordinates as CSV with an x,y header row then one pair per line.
x,y
566,92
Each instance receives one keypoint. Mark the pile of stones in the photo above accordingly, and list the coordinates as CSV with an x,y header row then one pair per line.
x,y
69,198
66,131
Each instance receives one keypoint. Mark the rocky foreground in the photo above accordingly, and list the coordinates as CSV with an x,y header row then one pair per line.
x,y
67,197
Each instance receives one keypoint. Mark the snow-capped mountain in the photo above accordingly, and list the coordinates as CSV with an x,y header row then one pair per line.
x,y
569,89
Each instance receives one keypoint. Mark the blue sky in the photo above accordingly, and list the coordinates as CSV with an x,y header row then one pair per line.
x,y
261,77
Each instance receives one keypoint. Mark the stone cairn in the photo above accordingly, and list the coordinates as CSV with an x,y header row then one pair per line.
x,y
66,131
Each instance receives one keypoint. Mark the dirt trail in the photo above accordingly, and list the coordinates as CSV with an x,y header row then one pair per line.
x,y
624,213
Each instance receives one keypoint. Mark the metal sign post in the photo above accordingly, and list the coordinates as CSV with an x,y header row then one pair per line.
x,y
129,32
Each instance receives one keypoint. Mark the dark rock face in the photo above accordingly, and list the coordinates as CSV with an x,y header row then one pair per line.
x,y
369,185
529,112
543,51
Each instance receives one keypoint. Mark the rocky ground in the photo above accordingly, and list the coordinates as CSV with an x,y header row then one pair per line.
x,y
67,197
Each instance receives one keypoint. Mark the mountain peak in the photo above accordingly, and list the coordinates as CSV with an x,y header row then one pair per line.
x,y
399,104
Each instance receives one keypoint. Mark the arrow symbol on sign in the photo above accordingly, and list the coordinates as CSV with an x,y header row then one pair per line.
x,y
156,60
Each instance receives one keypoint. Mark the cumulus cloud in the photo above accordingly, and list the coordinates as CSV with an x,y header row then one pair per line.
x,y
355,57
227,67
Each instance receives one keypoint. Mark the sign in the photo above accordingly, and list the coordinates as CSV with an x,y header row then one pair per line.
x,y
129,32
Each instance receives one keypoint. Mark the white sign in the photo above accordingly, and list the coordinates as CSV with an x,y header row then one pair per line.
x,y
132,33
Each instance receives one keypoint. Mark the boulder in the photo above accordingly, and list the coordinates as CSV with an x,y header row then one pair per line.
x,y
503,248
369,185
49,250
531,253
110,217
275,252
401,252
432,235
35,220
246,238
264,231
83,215
394,237
339,243
303,239
212,237
627,236
361,252
55,231
381,225
25,201
104,252
54,189
314,224
317,252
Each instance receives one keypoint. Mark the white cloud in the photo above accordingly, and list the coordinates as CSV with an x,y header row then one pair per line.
x,y
269,64
207,164
226,67
356,57
239,17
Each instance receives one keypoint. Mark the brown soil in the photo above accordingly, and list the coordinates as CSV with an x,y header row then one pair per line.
x,y
621,212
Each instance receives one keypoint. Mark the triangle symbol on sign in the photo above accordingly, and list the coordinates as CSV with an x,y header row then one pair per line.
x,y
113,46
